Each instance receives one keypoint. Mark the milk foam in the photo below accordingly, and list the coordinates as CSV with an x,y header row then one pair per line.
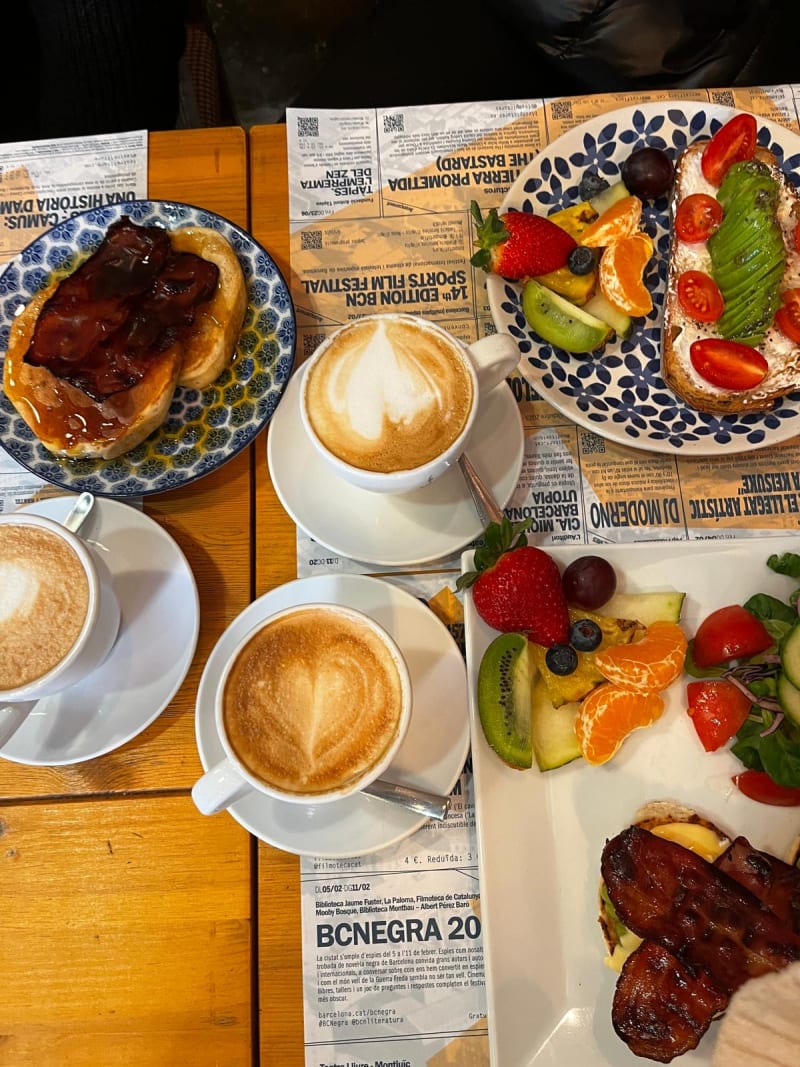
x,y
313,701
44,597
389,395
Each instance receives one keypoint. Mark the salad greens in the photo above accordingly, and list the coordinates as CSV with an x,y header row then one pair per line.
x,y
769,740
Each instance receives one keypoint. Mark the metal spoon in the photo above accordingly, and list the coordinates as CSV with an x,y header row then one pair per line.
x,y
417,800
485,504
79,512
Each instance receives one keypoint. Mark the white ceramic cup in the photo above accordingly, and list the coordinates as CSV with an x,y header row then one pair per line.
x,y
93,644
487,363
229,780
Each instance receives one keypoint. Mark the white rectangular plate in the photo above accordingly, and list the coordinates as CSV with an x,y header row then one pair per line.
x,y
541,835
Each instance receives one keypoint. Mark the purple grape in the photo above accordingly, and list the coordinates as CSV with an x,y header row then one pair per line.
x,y
589,582
648,173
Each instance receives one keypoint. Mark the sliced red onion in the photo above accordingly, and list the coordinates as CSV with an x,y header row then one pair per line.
x,y
779,717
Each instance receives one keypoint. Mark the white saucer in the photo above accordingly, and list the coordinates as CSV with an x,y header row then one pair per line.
x,y
384,529
157,638
431,757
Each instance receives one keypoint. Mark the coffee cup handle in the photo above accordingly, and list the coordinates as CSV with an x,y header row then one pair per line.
x,y
494,358
220,786
12,716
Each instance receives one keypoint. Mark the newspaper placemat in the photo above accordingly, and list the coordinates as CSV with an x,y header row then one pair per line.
x,y
43,183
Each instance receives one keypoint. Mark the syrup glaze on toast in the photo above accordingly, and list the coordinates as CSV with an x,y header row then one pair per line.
x,y
71,422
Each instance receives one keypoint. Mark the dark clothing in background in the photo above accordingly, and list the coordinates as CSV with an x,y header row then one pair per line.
x,y
80,67
432,51
612,45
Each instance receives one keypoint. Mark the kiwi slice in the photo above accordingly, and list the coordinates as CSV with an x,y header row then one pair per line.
x,y
505,679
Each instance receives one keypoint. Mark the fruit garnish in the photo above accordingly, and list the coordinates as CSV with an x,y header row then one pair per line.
x,y
589,582
591,184
519,244
608,715
560,322
787,317
585,635
561,659
504,698
648,172
621,272
582,260
517,587
648,665
620,220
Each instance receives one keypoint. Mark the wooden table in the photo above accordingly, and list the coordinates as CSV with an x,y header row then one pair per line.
x,y
128,932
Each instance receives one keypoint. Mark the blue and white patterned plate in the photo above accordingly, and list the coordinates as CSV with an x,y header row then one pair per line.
x,y
203,428
620,394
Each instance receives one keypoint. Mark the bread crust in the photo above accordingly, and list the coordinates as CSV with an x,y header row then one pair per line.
x,y
218,323
679,331
70,423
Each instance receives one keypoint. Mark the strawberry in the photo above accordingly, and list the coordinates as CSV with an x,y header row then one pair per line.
x,y
518,244
516,588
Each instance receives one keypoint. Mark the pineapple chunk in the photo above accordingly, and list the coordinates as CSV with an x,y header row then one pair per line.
x,y
568,687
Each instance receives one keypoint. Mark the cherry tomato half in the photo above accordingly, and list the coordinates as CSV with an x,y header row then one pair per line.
x,y
787,317
732,143
697,217
728,364
699,296
759,786
717,708
729,633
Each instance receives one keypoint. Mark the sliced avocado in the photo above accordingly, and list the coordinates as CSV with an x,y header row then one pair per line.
x,y
620,323
606,197
505,678
560,322
748,255
646,608
553,735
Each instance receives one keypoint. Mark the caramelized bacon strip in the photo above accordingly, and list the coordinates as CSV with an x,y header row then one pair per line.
x,y
131,300
773,882
665,893
661,1009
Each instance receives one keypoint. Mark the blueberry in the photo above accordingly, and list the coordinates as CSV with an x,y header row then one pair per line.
x,y
561,659
585,635
590,185
581,260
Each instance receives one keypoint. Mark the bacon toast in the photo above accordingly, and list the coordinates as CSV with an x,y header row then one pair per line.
x,y
73,420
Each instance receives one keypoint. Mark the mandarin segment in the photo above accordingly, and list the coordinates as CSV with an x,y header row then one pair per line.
x,y
620,220
608,715
648,665
621,274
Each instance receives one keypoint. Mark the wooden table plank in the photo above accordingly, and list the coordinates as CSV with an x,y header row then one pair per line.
x,y
279,954
209,519
126,935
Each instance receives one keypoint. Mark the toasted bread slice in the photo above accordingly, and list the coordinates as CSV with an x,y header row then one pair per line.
x,y
65,419
216,329
679,331
70,423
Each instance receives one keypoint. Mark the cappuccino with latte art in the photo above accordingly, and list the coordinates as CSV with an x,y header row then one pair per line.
x,y
44,598
315,701
389,394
